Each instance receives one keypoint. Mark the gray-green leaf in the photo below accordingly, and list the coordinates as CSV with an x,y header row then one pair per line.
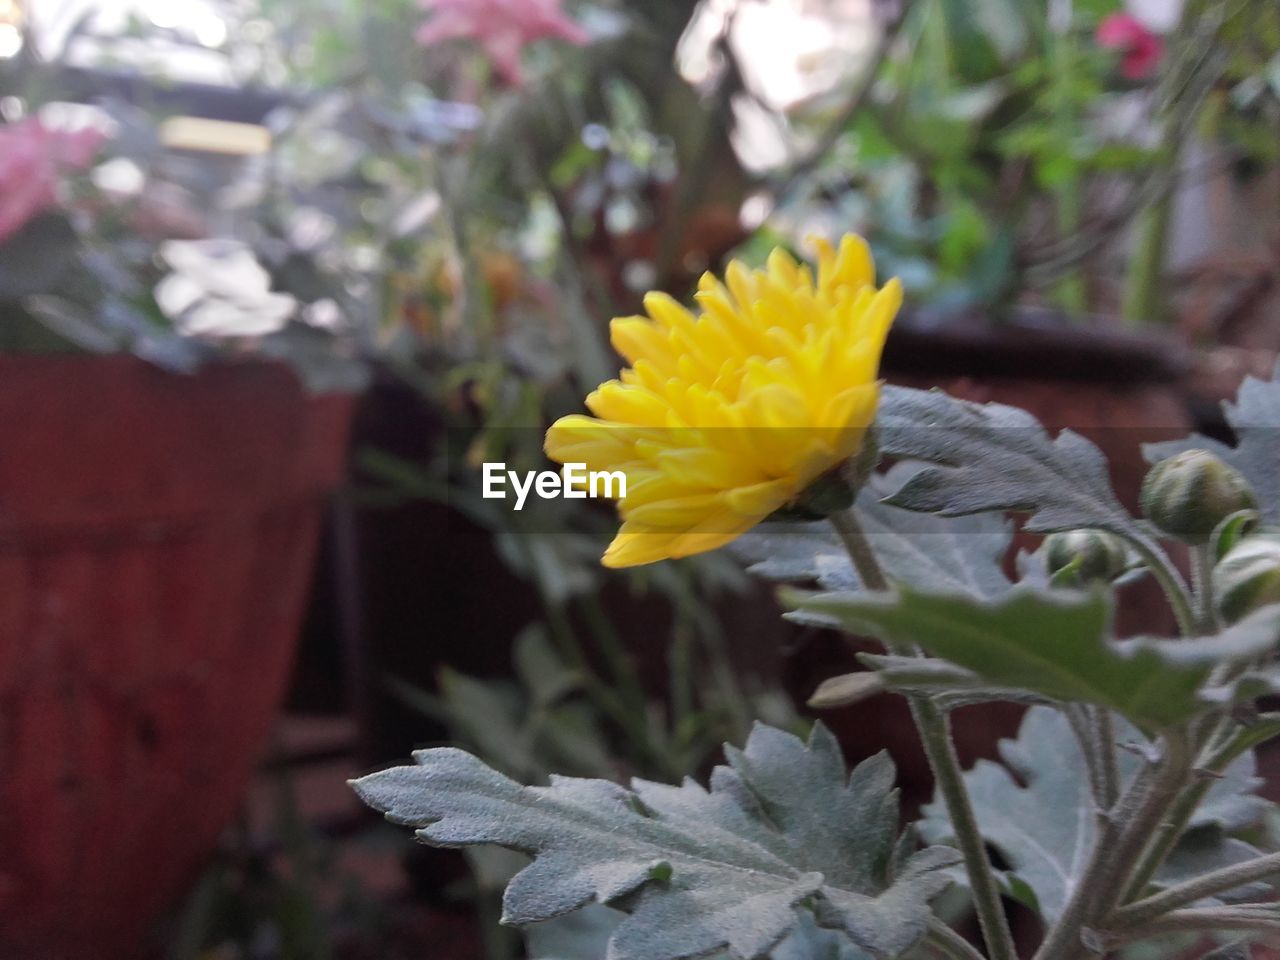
x,y
698,870
1255,418
939,553
993,457
1037,810
585,936
1055,643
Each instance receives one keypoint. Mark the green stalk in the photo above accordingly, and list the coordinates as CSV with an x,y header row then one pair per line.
x,y
933,726
1169,579
1202,561
1146,300
1070,293
1185,894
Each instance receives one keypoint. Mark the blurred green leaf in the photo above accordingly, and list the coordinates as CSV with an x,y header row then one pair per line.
x,y
1055,643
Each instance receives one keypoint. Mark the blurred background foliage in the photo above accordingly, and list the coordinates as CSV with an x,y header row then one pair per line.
x,y
468,239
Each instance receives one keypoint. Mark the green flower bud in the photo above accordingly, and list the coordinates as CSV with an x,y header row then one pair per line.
x,y
1187,496
1091,555
1248,578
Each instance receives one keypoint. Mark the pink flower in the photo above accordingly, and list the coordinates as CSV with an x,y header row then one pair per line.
x,y
502,27
1140,49
33,161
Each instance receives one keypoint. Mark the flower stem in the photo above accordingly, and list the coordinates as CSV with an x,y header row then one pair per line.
x,y
935,736
1202,562
1166,836
1169,579
949,943
1122,832
1208,885
1204,920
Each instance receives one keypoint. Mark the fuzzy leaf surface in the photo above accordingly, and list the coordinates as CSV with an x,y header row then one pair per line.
x,y
940,553
584,935
993,457
1255,418
1055,643
697,870
1036,808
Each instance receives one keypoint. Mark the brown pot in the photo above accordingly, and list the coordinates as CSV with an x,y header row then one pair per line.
x,y
156,540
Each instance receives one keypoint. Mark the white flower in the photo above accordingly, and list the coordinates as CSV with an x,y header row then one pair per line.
x,y
218,289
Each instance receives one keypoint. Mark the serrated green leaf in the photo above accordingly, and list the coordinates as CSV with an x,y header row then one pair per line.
x,y
993,457
1037,810
1055,643
1255,418
941,553
697,870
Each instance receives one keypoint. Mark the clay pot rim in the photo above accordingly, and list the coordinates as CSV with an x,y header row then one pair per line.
x,y
1035,344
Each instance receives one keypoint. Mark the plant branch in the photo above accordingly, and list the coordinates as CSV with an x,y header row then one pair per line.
x,y
849,530
1206,919
1208,885
1169,579
1122,832
1202,562
949,943
1105,733
933,727
1086,737
1166,836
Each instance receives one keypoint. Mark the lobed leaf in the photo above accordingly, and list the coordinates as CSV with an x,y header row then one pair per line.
x,y
1054,643
993,457
697,870
1255,418
1037,810
941,553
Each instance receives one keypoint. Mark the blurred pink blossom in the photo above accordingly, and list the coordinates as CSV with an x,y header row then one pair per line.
x,y
502,27
33,161
1140,49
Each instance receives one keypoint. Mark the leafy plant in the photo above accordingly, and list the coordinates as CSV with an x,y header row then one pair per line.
x,y
1124,812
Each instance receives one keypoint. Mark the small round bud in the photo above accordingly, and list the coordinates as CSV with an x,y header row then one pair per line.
x,y
1248,578
1093,556
1187,496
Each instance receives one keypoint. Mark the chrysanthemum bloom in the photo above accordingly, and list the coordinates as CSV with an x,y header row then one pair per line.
x,y
1140,49
726,415
33,161
502,27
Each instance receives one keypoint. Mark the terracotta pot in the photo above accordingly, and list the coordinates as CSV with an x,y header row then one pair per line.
x,y
156,542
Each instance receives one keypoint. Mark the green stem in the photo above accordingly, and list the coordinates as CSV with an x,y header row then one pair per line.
x,y
633,725
860,553
935,736
1104,731
1192,67
1208,885
1169,579
1205,920
949,943
1122,832
1071,293
1202,563
614,651
1166,836
1145,299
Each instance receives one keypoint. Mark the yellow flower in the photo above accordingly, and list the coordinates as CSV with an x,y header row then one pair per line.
x,y
725,416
